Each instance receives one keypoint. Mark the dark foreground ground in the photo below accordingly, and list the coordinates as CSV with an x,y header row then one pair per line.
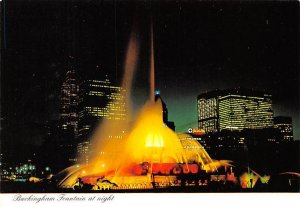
x,y
278,186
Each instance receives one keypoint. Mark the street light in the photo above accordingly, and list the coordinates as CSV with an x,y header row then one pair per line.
x,y
48,169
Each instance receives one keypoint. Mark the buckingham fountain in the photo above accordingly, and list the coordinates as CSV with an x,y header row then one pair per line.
x,y
149,155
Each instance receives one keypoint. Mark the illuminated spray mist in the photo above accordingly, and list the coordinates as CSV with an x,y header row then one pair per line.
x,y
105,143
147,140
105,149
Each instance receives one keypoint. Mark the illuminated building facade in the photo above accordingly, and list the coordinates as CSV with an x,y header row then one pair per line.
x,y
68,122
98,100
285,126
69,103
234,109
208,112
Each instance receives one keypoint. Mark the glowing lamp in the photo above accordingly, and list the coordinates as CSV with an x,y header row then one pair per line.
x,y
154,141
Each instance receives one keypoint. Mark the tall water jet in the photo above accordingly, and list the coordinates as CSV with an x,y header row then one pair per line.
x,y
131,60
106,145
104,141
123,153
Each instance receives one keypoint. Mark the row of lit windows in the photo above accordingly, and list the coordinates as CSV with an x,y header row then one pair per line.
x,y
224,108
192,147
244,106
106,86
234,109
108,115
287,125
83,147
116,136
98,109
116,118
96,93
91,109
100,81
266,98
190,138
208,125
241,125
207,108
288,138
85,127
285,128
233,114
115,97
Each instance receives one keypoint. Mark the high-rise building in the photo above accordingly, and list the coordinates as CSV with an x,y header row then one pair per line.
x,y
68,121
98,100
170,124
285,126
69,104
234,109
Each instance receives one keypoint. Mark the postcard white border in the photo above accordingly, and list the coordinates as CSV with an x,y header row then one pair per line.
x,y
164,199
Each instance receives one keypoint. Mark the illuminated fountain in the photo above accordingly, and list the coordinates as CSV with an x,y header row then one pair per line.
x,y
148,151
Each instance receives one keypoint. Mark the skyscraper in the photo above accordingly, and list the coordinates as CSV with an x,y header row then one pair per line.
x,y
68,121
98,100
69,103
285,126
234,109
170,124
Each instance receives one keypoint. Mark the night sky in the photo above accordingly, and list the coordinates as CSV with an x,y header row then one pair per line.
x,y
199,47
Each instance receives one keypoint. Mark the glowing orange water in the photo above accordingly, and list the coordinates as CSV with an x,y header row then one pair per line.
x,y
150,141
146,140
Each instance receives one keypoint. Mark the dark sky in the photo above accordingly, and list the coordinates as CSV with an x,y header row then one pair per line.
x,y
199,46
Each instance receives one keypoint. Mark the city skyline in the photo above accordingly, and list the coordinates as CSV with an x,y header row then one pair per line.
x,y
145,96
226,45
